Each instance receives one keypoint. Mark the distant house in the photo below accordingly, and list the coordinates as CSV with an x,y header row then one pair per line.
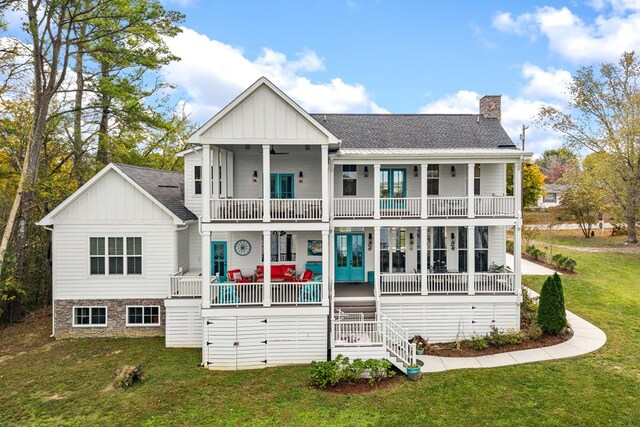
x,y
292,236
553,196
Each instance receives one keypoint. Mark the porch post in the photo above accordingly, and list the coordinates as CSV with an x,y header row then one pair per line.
x,y
325,181
517,255
471,169
424,171
376,191
206,269
376,260
325,268
332,260
424,256
471,259
266,286
517,188
331,208
206,183
266,189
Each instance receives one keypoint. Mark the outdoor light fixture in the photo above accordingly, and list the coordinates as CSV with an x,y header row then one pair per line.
x,y
366,171
453,170
255,176
300,177
453,241
415,171
370,245
411,241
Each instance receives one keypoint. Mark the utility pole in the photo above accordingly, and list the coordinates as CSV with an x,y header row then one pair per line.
x,y
522,135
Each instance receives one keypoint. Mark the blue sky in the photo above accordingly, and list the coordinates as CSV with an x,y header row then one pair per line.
x,y
397,56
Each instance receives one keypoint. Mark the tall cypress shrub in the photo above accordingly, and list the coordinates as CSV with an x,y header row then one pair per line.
x,y
552,317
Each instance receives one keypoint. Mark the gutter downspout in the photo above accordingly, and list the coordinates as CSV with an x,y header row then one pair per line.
x,y
53,300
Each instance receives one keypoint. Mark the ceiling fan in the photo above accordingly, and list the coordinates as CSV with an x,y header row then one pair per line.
x,y
273,152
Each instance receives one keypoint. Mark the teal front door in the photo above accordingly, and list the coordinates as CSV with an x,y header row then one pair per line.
x,y
219,258
349,257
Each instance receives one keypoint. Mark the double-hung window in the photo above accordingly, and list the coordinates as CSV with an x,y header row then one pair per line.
x,y
143,315
349,180
115,255
197,179
433,180
462,249
482,248
476,180
89,316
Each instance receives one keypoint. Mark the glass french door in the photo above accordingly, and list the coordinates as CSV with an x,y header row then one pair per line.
x,y
349,258
282,186
219,258
393,185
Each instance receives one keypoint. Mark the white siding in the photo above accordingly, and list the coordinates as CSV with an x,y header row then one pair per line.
x,y
195,248
112,207
264,115
192,201
183,323
493,179
183,248
296,340
497,245
448,321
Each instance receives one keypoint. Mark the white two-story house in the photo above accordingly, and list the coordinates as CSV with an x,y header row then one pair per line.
x,y
292,237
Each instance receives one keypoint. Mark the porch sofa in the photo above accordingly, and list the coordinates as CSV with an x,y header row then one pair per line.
x,y
277,273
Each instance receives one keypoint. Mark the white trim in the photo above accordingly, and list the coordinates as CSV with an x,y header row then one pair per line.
x,y
195,138
137,325
90,325
49,218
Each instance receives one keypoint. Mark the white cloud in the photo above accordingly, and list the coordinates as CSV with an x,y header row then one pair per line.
x,y
212,73
550,83
613,31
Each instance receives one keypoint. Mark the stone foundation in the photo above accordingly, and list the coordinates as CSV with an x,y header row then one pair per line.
x,y
116,319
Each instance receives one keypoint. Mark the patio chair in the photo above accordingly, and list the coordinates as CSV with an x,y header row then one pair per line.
x,y
310,292
227,295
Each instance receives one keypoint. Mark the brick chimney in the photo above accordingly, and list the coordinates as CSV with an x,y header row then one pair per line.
x,y
490,106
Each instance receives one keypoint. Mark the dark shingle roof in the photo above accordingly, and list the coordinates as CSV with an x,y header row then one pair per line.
x,y
431,131
166,187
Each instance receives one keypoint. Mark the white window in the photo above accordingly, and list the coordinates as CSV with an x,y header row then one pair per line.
x,y
433,180
549,198
89,316
197,179
476,180
115,255
349,180
143,315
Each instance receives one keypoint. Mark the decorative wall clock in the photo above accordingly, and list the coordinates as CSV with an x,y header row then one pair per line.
x,y
242,247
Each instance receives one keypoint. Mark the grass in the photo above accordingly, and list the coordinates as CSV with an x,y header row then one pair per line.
x,y
48,382
576,238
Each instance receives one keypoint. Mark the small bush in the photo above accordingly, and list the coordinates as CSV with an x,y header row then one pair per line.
x,y
535,331
128,376
509,245
497,338
569,264
479,343
556,259
341,370
529,307
552,317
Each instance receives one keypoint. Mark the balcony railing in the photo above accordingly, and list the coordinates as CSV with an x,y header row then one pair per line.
x,y
400,283
446,206
353,207
237,209
296,209
231,293
185,286
495,206
447,283
282,293
405,207
495,283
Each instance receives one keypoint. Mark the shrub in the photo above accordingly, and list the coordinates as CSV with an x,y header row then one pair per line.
x,y
128,376
333,372
509,245
10,291
569,264
534,332
556,259
529,307
551,312
530,249
478,343
497,338
324,374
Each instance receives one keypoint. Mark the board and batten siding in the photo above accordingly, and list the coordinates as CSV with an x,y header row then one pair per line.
x,y
264,115
112,207
448,321
183,323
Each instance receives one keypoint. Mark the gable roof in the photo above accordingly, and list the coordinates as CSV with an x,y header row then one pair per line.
x,y
164,188
262,81
430,131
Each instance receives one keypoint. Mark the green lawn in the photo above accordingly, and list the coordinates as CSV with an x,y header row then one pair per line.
x,y
576,238
67,382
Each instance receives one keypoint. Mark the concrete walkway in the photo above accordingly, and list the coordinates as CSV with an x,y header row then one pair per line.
x,y
529,267
586,338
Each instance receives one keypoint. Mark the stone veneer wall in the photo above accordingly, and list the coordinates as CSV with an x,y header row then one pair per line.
x,y
116,319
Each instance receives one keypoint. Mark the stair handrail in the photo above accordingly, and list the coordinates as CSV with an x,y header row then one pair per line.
x,y
396,341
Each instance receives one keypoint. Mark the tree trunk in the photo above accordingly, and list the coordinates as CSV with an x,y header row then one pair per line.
x,y
78,143
632,238
102,155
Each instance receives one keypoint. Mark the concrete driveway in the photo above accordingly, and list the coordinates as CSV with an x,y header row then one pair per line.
x,y
529,267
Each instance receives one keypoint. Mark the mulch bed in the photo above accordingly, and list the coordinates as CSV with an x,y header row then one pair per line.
x,y
553,267
359,387
449,349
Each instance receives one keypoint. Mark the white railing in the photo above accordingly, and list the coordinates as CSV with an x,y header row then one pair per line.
x,y
296,293
494,206
396,341
353,207
185,286
495,283
400,283
446,206
231,293
304,209
341,315
400,207
236,209
356,333
447,283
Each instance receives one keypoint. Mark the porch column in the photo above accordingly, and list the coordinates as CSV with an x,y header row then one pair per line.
x,y
266,189
215,173
471,259
376,191
206,183
324,158
206,269
325,267
266,286
331,208
471,169
424,256
517,188
517,256
332,260
424,175
376,261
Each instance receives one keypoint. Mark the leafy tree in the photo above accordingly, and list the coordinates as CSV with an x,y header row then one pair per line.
x,y
532,183
584,196
604,118
554,163
552,317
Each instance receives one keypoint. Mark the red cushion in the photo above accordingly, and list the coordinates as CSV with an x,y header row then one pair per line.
x,y
307,275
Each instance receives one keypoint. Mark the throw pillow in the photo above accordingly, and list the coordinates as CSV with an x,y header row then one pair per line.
x,y
290,272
